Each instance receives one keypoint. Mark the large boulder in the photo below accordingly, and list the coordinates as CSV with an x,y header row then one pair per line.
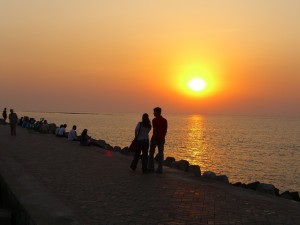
x,y
117,149
239,184
101,143
209,174
286,195
212,175
267,188
295,195
181,165
291,195
168,161
222,178
195,169
125,151
109,147
252,185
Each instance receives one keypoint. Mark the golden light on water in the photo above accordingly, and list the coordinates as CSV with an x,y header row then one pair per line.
x,y
194,138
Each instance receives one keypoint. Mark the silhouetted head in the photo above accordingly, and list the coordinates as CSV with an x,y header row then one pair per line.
x,y
145,120
84,132
11,110
74,127
157,111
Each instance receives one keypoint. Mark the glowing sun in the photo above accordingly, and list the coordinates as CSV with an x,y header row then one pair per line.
x,y
197,84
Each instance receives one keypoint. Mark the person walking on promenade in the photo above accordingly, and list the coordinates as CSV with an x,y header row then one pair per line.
x,y
142,137
160,127
4,115
13,120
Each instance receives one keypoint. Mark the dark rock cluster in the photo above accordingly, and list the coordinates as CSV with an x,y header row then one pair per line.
x,y
268,189
184,165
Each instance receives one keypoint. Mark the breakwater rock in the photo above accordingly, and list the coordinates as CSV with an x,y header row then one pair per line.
x,y
268,189
184,165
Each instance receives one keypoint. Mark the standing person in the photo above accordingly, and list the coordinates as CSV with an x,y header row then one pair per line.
x,y
4,115
160,127
142,136
13,120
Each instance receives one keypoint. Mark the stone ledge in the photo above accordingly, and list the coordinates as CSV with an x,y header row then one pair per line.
x,y
30,202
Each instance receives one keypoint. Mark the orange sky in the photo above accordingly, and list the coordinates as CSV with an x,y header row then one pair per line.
x,y
130,56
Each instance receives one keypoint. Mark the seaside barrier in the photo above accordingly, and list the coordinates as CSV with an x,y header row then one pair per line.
x,y
11,211
171,162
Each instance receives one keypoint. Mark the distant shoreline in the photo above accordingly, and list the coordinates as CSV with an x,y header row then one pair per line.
x,y
81,113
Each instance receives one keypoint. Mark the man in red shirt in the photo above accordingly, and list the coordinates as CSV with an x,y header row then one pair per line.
x,y
160,127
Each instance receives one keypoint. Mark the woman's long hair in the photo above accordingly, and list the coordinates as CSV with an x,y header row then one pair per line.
x,y
84,133
145,121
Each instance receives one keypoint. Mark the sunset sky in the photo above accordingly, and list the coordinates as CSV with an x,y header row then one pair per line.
x,y
133,55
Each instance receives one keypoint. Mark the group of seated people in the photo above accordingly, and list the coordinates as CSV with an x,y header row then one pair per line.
x,y
84,138
31,123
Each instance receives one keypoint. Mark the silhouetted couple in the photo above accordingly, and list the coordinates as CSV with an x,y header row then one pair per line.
x,y
160,126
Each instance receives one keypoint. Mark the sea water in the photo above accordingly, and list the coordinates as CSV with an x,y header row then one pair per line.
x,y
245,148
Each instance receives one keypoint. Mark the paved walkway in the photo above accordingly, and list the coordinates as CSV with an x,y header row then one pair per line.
x,y
86,185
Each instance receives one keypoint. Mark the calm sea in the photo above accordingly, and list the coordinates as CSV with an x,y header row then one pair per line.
x,y
245,148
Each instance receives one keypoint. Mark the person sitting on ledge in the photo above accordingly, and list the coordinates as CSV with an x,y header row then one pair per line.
x,y
57,129
21,121
72,136
62,131
25,123
84,138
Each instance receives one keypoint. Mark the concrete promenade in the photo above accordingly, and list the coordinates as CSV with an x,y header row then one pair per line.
x,y
60,182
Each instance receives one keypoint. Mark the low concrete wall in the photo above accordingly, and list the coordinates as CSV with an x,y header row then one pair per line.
x,y
30,201
19,215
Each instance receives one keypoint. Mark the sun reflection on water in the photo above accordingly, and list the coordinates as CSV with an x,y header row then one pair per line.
x,y
195,144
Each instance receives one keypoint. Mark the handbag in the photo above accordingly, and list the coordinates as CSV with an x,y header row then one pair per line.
x,y
134,146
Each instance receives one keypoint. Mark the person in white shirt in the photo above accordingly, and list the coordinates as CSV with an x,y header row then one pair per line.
x,y
62,131
72,136
57,130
